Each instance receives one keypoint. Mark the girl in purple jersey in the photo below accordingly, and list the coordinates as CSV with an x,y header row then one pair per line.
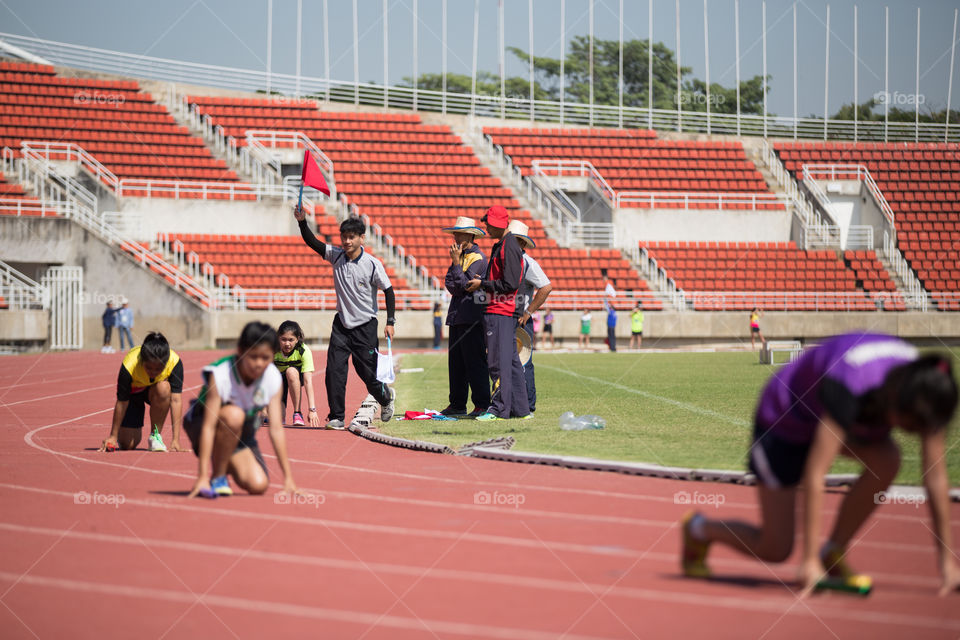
x,y
842,397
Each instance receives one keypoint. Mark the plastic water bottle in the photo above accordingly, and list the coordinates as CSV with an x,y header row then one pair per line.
x,y
569,422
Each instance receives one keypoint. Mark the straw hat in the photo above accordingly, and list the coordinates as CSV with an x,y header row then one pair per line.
x,y
465,225
524,345
522,232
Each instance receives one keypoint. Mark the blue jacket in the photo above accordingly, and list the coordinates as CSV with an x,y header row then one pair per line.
x,y
463,310
109,318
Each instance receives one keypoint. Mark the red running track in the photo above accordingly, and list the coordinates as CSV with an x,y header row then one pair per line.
x,y
390,543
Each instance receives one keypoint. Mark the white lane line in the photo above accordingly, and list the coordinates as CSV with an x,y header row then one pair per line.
x,y
444,627
533,582
653,396
57,395
199,506
781,606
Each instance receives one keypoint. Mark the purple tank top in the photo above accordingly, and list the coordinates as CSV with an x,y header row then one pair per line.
x,y
850,365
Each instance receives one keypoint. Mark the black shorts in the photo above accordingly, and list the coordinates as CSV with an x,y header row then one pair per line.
x,y
136,409
286,386
193,425
778,464
637,333
754,329
548,328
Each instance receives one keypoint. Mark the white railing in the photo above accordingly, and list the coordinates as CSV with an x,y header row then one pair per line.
x,y
919,296
18,207
326,299
858,172
654,274
139,66
46,151
701,200
794,300
815,230
75,208
20,292
575,169
264,140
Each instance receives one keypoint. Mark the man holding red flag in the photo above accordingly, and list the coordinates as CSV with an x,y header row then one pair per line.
x,y
311,176
500,283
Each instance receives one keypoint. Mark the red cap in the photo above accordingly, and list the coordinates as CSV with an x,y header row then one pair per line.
x,y
497,217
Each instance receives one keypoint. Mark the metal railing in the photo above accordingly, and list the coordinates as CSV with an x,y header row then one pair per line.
x,y
576,169
20,292
264,140
18,207
326,299
918,295
656,275
858,172
701,200
139,66
816,232
796,301
73,205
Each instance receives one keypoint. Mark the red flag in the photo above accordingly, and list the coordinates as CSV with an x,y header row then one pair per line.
x,y
311,175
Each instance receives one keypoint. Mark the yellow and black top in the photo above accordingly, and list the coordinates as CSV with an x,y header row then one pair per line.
x,y
300,359
133,376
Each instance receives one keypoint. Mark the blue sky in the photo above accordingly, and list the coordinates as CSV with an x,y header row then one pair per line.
x,y
233,33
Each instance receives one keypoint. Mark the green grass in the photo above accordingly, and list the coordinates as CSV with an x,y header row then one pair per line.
x,y
683,409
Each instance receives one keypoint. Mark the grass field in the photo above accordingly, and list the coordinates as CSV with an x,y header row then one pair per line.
x,y
684,409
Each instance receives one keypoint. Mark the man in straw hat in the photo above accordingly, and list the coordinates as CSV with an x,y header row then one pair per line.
x,y
467,353
534,279
499,287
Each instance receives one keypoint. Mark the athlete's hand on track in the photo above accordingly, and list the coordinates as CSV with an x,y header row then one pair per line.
x,y
811,572
951,578
175,446
109,444
200,484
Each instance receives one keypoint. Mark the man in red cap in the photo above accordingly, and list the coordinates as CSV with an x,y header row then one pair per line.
x,y
499,290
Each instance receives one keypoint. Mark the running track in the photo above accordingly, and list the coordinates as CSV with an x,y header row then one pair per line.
x,y
390,545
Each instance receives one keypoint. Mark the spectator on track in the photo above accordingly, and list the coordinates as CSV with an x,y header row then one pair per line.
x,y
611,325
124,320
149,374
755,314
500,283
844,396
548,325
294,360
528,302
467,351
437,325
584,338
356,277
222,422
636,326
109,319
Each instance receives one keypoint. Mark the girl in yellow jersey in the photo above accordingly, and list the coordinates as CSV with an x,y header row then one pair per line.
x,y
295,362
150,374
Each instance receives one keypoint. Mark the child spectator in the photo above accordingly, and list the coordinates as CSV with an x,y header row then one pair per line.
x,y
294,360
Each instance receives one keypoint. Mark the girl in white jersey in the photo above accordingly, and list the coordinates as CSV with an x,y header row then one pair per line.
x,y
222,423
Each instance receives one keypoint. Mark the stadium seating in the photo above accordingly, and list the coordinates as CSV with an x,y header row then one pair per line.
x,y
636,160
921,182
14,201
274,262
413,179
122,127
776,267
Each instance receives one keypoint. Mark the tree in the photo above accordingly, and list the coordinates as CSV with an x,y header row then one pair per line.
x,y
874,110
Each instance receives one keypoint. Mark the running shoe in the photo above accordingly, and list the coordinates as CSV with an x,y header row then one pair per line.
x,y
454,413
221,486
297,419
386,411
694,558
156,441
488,417
477,412
335,425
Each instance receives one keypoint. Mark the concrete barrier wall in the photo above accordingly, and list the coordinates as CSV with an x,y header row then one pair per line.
x,y
668,225
24,326
268,217
108,274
